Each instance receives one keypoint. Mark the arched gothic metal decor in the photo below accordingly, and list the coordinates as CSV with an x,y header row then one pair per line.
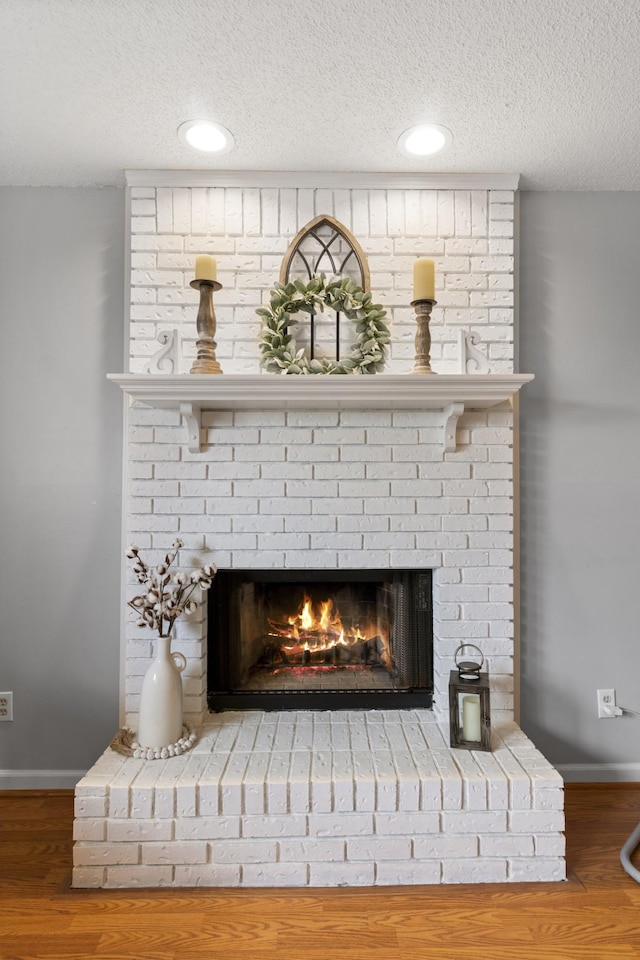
x,y
324,246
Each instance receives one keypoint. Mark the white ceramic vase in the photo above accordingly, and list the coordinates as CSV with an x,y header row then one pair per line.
x,y
160,720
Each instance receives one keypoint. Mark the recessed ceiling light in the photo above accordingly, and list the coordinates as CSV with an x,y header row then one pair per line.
x,y
425,139
206,135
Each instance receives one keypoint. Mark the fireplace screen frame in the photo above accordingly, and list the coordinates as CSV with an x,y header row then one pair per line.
x,y
414,604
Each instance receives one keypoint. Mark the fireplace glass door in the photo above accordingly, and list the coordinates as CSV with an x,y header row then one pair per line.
x,y
320,639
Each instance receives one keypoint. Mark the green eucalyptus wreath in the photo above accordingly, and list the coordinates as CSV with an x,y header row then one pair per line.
x,y
279,350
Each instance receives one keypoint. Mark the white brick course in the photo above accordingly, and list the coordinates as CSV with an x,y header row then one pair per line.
x,y
477,870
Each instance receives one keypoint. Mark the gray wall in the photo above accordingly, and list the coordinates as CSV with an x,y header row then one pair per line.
x,y
61,321
61,316
580,461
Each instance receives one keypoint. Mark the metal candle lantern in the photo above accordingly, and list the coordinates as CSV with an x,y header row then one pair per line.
x,y
469,708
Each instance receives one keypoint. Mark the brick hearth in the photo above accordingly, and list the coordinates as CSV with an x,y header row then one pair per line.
x,y
322,799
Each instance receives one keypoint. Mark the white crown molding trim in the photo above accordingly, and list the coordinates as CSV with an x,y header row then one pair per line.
x,y
322,180
40,779
599,772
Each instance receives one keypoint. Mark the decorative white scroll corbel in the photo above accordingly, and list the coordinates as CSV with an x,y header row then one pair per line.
x,y
472,360
166,359
451,415
190,413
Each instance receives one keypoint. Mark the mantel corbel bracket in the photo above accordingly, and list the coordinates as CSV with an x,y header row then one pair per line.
x,y
452,413
191,414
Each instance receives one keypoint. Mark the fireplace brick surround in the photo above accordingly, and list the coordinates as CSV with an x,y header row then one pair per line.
x,y
326,798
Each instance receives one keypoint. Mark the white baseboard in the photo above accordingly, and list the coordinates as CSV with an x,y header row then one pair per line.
x,y
599,772
40,779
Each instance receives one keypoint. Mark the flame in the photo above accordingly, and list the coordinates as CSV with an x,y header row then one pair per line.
x,y
324,623
316,632
325,615
306,617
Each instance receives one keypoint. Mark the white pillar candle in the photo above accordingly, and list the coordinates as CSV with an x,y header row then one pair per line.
x,y
471,718
424,273
206,267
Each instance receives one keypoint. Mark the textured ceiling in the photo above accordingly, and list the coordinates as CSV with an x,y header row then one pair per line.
x,y
549,89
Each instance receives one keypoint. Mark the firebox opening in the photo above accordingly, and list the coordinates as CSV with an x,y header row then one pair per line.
x,y
320,639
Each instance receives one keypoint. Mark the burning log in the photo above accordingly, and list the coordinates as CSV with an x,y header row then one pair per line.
x,y
314,636
282,628
344,654
374,650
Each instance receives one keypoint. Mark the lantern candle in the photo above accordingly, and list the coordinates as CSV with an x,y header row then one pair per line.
x,y
423,279
471,718
206,268
469,702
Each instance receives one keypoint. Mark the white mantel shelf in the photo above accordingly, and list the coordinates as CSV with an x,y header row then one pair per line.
x,y
193,393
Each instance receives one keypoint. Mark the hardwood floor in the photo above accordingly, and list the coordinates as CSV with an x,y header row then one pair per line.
x,y
596,914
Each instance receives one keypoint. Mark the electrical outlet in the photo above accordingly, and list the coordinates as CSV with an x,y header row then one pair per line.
x,y
6,706
607,708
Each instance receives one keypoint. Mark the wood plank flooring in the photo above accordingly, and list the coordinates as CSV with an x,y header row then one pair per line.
x,y
596,914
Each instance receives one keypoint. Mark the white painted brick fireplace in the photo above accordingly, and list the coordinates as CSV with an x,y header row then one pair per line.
x,y
332,797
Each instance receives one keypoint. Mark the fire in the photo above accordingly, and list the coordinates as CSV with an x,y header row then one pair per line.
x,y
322,621
318,628
305,617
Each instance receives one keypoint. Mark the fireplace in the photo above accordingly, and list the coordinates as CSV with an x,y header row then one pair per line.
x,y
320,639
387,496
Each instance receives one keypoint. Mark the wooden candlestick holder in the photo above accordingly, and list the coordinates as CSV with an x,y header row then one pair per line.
x,y
423,310
205,361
